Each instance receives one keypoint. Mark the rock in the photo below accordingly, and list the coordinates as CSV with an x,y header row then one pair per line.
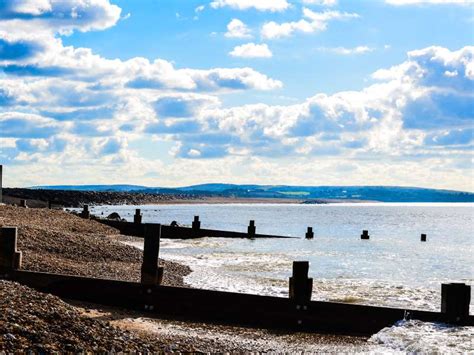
x,y
114,216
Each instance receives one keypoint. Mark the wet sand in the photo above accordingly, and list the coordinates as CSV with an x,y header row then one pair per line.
x,y
206,337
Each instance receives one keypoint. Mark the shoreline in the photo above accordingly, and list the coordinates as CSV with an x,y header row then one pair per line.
x,y
59,242
252,201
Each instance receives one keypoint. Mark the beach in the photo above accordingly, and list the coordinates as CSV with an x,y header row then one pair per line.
x,y
59,242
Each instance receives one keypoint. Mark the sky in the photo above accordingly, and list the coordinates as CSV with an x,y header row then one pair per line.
x,y
181,92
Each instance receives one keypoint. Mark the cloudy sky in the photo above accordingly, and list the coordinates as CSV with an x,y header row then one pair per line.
x,y
178,92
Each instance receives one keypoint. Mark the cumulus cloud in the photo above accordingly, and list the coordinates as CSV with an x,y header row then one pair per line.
x,y
311,22
61,104
22,125
173,127
252,50
183,105
413,108
261,5
237,29
39,54
58,16
64,108
202,80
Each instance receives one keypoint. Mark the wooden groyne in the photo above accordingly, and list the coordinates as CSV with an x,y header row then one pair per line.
x,y
297,312
137,228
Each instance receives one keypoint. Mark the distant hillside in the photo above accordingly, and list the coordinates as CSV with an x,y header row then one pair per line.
x,y
308,193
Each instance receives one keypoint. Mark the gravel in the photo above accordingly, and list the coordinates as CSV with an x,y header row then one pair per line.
x,y
37,322
59,242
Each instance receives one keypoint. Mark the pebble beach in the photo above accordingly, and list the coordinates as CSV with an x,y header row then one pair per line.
x,y
59,242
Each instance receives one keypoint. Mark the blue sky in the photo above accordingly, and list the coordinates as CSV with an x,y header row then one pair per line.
x,y
171,93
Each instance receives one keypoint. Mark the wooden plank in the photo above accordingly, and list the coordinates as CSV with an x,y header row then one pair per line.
x,y
226,307
186,233
168,232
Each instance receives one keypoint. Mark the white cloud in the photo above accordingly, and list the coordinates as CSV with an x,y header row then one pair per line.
x,y
199,8
49,56
32,7
237,29
58,16
425,2
251,50
451,73
311,22
194,153
347,51
261,5
321,2
26,125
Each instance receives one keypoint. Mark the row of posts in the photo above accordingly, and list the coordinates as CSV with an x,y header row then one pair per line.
x,y
24,204
455,297
251,229
365,236
85,213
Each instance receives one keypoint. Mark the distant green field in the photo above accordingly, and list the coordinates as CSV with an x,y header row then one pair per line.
x,y
294,193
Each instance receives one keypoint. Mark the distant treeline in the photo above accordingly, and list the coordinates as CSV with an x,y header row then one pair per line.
x,y
308,193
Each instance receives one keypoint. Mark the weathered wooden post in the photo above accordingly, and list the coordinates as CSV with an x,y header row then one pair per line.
x,y
301,286
310,233
455,300
251,229
50,205
365,235
151,274
1,186
23,204
196,223
10,257
85,212
423,238
137,218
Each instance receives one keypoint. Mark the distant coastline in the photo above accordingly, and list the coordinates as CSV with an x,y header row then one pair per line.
x,y
78,198
71,198
77,195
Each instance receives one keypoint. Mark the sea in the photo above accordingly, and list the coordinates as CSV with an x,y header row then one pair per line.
x,y
393,268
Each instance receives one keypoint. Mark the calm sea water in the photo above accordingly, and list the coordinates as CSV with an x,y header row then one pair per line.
x,y
393,268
